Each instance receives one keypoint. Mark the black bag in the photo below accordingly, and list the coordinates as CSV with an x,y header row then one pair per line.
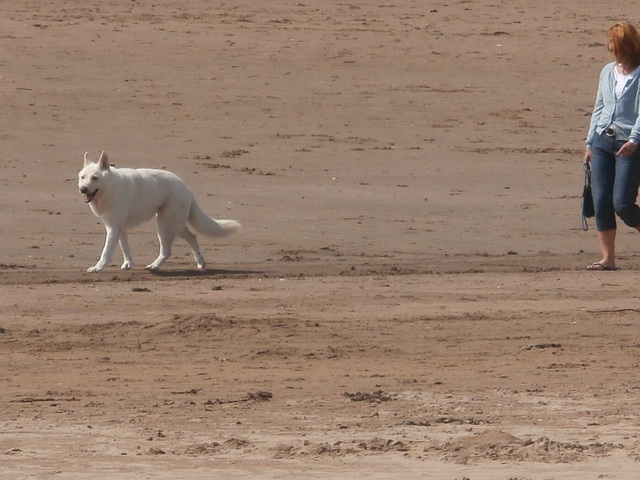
x,y
587,197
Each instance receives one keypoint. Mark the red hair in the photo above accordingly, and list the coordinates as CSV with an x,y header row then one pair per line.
x,y
624,43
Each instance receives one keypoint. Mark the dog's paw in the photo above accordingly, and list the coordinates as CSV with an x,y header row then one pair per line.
x,y
95,269
199,260
152,267
126,266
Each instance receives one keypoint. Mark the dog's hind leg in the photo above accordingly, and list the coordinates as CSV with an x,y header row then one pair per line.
x,y
126,252
166,239
195,248
167,230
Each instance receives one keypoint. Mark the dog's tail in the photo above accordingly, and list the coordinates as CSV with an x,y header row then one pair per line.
x,y
208,226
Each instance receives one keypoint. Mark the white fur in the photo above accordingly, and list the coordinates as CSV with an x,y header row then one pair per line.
x,y
123,198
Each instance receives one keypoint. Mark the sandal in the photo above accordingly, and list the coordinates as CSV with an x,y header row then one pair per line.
x,y
599,266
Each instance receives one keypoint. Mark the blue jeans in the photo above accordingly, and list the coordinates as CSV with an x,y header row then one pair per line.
x,y
614,183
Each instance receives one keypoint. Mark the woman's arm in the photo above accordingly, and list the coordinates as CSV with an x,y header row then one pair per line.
x,y
595,116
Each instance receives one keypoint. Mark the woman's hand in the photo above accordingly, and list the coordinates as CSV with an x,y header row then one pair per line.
x,y
587,156
627,150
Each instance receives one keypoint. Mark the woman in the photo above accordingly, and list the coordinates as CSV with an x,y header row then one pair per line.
x,y
612,142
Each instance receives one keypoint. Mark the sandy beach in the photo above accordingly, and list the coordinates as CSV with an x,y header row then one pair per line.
x,y
407,298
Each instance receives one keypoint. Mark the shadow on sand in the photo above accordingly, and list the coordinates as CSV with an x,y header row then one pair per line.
x,y
208,272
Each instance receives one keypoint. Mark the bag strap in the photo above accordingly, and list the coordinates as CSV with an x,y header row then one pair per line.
x,y
586,167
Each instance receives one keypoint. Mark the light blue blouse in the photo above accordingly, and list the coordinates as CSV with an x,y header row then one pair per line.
x,y
622,114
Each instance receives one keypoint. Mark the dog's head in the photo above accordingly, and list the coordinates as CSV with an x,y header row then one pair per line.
x,y
92,175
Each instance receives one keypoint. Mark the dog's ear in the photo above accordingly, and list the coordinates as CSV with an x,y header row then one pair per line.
x,y
86,160
104,161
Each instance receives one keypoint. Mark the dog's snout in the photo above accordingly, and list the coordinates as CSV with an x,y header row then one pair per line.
x,y
84,190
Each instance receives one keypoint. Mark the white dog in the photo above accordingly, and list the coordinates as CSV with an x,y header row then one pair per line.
x,y
123,198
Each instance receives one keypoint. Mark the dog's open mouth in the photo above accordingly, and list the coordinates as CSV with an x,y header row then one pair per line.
x,y
88,196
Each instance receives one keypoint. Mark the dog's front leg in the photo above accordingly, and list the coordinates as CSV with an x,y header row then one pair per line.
x,y
126,251
113,235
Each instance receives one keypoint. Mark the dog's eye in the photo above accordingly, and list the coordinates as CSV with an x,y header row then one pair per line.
x,y
94,177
